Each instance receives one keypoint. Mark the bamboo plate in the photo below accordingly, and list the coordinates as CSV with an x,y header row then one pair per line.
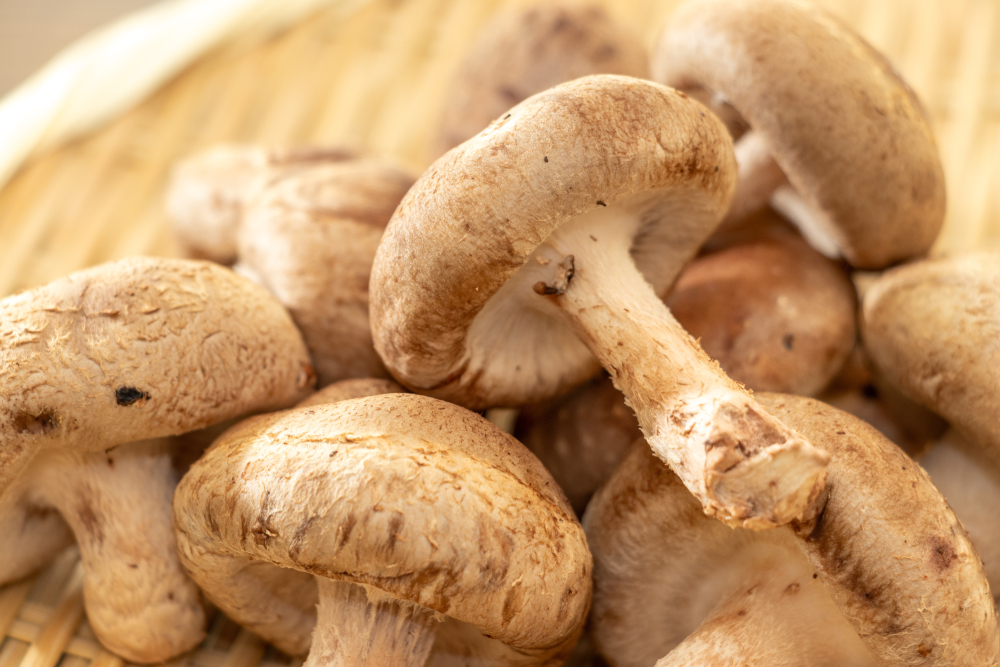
x,y
372,78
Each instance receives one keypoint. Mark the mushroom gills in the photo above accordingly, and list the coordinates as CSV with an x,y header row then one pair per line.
x,y
769,611
746,467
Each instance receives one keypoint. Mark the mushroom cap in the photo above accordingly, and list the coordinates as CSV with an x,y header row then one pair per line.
x,y
527,51
776,314
886,547
477,215
932,328
310,237
848,132
581,437
140,348
970,482
413,496
208,192
353,388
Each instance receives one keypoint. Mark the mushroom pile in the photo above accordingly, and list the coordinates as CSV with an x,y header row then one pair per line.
x,y
622,260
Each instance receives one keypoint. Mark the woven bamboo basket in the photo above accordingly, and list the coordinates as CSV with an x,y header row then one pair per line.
x,y
371,74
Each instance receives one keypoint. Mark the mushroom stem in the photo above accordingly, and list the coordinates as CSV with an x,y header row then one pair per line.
x,y
746,467
815,226
360,626
139,602
759,177
773,613
32,536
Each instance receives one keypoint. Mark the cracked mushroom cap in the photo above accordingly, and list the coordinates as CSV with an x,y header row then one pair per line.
x,y
97,361
407,496
776,314
310,238
524,52
885,575
932,328
209,191
849,134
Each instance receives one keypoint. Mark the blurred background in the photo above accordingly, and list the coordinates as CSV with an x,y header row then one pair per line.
x,y
32,31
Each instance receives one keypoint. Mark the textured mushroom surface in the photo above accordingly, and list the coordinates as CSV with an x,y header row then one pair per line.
x,y
970,482
209,191
933,329
135,349
777,315
539,244
530,50
849,134
406,495
310,237
891,557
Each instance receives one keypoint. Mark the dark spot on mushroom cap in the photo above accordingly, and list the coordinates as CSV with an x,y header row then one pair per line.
x,y
126,396
923,651
788,340
942,553
39,424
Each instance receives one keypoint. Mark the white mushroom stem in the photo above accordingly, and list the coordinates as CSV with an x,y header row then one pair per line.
x,y
772,613
118,505
361,626
746,467
759,177
817,228
971,485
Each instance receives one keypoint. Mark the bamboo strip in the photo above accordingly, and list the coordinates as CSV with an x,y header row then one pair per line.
x,y
11,599
51,641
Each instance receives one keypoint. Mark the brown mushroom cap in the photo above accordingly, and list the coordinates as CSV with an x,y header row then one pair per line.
x,y
887,550
849,134
933,329
524,52
581,437
537,245
970,481
109,356
777,315
140,348
409,496
310,238
209,191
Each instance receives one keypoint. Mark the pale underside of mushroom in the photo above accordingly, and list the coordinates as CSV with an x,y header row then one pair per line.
x,y
908,582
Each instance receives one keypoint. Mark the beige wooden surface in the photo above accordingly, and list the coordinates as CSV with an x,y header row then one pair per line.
x,y
373,79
